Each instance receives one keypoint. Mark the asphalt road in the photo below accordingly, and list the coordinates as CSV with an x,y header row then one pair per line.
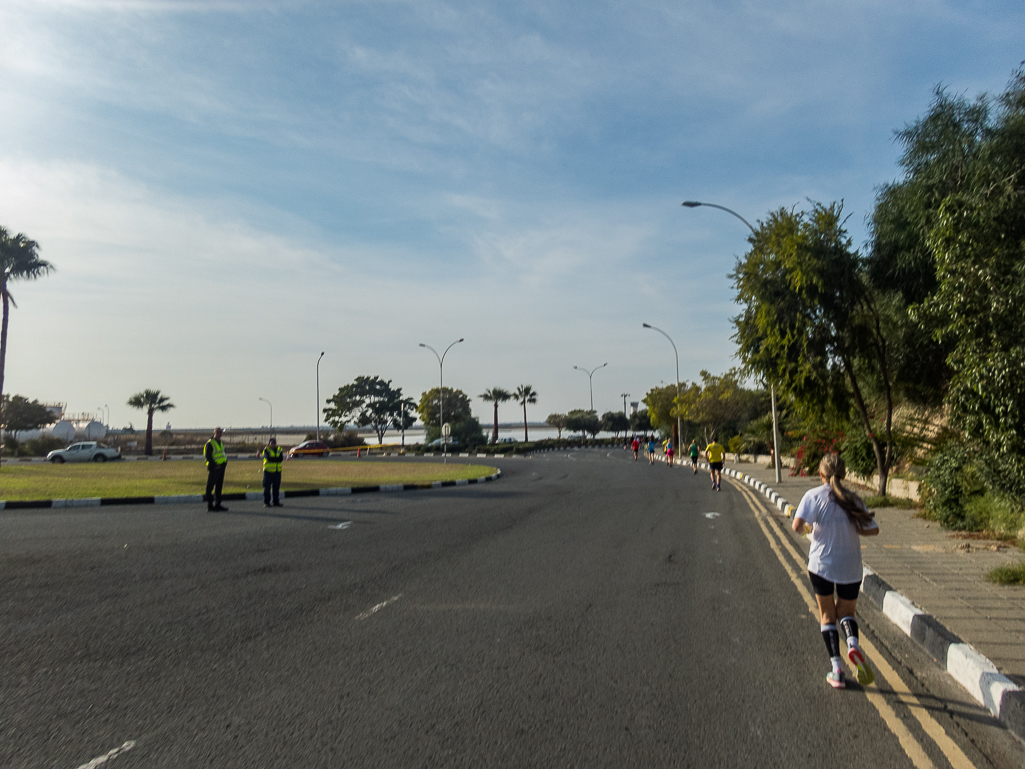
x,y
583,611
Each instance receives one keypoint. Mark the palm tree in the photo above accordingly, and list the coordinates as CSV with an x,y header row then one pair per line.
x,y
525,394
495,395
151,401
19,260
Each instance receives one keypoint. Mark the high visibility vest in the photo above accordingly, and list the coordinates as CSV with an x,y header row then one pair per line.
x,y
272,459
219,457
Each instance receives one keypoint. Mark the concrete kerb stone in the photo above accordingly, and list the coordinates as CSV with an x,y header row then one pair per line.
x,y
184,499
977,674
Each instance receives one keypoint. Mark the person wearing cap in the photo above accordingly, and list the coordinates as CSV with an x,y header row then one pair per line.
x,y
216,463
273,457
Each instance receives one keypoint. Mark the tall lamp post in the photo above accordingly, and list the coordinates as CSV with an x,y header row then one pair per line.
x,y
679,425
772,386
590,380
318,395
272,410
441,392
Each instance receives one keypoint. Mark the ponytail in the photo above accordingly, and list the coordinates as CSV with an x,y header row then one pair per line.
x,y
833,468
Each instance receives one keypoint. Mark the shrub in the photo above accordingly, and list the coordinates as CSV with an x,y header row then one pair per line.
x,y
41,446
815,444
958,492
1011,574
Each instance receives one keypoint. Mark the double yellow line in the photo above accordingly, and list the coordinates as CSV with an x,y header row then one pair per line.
x,y
782,546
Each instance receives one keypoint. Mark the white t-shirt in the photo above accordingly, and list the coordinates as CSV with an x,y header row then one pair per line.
x,y
835,548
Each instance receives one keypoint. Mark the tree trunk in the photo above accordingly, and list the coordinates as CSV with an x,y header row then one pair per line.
x,y
149,432
525,439
495,439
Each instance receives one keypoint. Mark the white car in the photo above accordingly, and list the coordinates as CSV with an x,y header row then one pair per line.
x,y
86,451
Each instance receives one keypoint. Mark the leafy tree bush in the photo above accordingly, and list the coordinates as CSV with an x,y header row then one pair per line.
x,y
367,402
582,421
558,421
19,413
614,422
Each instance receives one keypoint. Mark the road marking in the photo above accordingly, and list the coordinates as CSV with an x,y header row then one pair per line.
x,y
954,754
107,756
342,525
374,609
711,515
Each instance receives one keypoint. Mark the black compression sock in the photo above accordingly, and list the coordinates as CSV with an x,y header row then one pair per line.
x,y
832,639
850,629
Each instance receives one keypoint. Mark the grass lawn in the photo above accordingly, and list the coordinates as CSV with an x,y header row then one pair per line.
x,y
142,479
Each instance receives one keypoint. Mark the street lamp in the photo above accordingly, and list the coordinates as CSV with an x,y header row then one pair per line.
x,y
272,410
772,387
679,430
441,392
590,381
318,395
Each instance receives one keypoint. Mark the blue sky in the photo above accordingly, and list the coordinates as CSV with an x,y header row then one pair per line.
x,y
228,188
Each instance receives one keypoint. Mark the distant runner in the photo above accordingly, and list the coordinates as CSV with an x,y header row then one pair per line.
x,y
670,452
636,445
651,450
694,452
715,453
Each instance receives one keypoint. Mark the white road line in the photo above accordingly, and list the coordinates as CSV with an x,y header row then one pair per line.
x,y
112,754
342,525
711,515
374,609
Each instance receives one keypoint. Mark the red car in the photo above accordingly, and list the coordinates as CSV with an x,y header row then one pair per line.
x,y
309,449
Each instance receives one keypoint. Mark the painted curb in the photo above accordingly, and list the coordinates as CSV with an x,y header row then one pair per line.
x,y
184,499
976,674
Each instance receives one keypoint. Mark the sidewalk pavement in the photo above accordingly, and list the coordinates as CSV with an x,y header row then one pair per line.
x,y
945,577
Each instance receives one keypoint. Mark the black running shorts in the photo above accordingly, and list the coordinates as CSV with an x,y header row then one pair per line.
x,y
715,465
844,591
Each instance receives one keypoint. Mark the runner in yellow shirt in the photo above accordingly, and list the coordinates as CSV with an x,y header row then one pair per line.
x,y
715,453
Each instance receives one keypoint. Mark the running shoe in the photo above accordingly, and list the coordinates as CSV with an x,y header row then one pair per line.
x,y
835,680
865,674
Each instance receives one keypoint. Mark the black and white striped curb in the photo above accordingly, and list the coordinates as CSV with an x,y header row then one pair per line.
x,y
1001,696
185,499
998,693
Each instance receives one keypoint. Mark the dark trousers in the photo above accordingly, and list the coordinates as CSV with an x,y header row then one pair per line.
x,y
214,483
271,481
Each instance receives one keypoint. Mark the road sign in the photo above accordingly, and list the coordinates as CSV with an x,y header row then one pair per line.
x,y
446,429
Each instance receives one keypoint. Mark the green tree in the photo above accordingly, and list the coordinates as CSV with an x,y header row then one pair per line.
x,y
495,395
20,413
558,421
150,401
720,405
811,325
19,260
615,422
979,245
525,394
457,406
641,421
583,421
365,402
661,404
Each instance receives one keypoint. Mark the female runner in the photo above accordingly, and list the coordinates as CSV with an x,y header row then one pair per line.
x,y
835,518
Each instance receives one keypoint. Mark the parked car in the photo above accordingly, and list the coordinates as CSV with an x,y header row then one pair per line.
x,y
309,449
86,451
436,443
